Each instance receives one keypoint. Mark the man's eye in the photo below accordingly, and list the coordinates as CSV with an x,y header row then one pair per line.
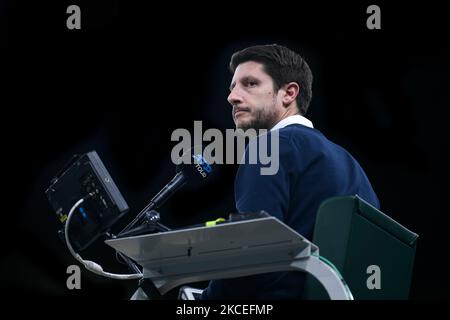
x,y
252,83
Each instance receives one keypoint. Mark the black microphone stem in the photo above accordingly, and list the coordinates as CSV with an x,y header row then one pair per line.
x,y
177,182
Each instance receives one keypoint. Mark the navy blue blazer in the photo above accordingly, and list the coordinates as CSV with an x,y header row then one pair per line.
x,y
311,170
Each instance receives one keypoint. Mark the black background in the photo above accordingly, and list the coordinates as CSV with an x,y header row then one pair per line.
x,y
136,72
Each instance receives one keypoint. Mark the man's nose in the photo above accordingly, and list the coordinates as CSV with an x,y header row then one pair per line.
x,y
234,98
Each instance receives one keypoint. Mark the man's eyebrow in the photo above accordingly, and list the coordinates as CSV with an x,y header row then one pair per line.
x,y
244,80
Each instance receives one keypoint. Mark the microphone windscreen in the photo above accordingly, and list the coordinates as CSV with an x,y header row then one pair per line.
x,y
197,169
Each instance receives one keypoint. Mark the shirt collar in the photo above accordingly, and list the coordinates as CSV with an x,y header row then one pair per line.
x,y
295,119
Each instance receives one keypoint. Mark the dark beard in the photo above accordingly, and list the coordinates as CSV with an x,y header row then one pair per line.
x,y
261,120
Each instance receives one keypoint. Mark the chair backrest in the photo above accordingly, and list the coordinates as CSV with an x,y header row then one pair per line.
x,y
374,253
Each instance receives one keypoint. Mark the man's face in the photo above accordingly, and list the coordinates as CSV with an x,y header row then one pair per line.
x,y
255,104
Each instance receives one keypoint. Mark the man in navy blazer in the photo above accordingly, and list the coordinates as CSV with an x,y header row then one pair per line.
x,y
271,89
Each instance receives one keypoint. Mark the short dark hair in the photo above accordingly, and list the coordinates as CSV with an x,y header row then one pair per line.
x,y
283,65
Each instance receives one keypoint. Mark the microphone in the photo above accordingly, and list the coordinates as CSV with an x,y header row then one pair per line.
x,y
193,173
187,173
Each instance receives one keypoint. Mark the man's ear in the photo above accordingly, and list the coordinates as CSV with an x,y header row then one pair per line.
x,y
291,91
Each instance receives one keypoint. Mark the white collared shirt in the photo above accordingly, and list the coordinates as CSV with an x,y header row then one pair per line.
x,y
295,119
